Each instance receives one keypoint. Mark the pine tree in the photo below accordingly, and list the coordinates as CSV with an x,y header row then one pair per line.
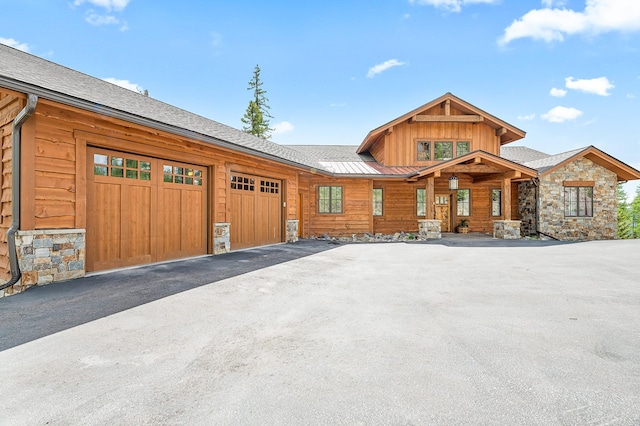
x,y
635,214
625,230
256,118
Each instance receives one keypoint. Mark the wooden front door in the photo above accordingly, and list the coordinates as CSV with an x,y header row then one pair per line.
x,y
255,211
142,210
443,212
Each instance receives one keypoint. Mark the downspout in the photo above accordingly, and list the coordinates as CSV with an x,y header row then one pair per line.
x,y
16,131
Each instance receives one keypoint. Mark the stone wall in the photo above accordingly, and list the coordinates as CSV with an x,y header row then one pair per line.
x,y
506,229
604,223
527,207
292,230
221,238
429,229
47,256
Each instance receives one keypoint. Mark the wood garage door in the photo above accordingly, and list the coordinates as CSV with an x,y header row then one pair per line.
x,y
255,211
142,210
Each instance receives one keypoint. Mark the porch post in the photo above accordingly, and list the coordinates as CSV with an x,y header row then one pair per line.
x,y
506,198
430,198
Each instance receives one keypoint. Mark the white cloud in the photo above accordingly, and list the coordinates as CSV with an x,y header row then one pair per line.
x,y
527,117
110,5
282,127
558,93
631,96
561,114
599,16
124,83
551,3
97,20
377,69
15,44
598,86
450,5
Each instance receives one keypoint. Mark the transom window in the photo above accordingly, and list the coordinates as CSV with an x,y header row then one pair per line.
x,y
464,202
330,199
496,202
181,175
121,167
377,201
578,201
441,150
421,202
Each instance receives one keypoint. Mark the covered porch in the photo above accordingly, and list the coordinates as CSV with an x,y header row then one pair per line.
x,y
477,191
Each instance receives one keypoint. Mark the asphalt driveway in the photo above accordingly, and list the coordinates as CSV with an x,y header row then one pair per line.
x,y
359,334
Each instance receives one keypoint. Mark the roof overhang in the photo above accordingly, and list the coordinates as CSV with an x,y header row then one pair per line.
x,y
622,170
472,114
481,166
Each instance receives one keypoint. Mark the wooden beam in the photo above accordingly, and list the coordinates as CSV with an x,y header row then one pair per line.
x,y
477,160
449,118
514,174
430,198
501,131
390,130
506,198
472,168
579,183
447,107
436,174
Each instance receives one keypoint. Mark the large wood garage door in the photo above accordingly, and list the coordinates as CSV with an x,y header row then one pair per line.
x,y
142,210
255,211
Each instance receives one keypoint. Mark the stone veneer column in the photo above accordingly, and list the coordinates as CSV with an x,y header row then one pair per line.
x,y
429,228
292,230
46,256
221,238
506,229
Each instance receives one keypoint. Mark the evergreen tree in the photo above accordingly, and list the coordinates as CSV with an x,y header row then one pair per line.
x,y
635,214
256,118
625,230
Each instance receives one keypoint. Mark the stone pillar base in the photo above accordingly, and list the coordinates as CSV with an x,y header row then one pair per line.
x,y
221,238
429,228
506,229
292,230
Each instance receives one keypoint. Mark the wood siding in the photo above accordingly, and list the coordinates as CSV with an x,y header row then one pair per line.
x,y
10,105
399,147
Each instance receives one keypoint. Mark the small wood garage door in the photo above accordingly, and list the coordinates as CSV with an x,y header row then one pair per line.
x,y
142,210
255,211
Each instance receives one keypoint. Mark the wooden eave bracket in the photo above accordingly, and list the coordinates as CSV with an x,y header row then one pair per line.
x,y
501,131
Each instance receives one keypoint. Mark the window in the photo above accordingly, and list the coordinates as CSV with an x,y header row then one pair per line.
x,y
330,199
463,204
462,148
377,201
578,201
496,202
121,167
421,202
424,151
185,176
442,150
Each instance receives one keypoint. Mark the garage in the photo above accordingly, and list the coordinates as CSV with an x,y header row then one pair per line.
x,y
255,210
142,209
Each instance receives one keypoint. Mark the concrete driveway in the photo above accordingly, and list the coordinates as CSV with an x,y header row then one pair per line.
x,y
393,334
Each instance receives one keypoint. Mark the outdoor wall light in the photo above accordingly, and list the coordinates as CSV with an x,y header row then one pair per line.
x,y
453,182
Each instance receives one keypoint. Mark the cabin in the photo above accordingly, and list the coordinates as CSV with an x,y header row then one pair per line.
x,y
96,177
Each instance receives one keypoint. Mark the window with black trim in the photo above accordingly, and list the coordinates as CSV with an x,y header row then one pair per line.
x,y
442,150
464,202
330,199
421,202
424,151
377,201
578,201
496,202
462,148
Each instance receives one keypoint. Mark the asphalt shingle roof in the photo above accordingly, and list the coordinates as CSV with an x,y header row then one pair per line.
x,y
35,72
546,163
521,154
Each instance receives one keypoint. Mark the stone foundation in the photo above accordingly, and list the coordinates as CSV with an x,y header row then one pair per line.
x,y
47,256
292,230
429,228
221,238
506,229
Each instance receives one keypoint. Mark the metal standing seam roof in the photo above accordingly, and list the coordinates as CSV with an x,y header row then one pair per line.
x,y
24,72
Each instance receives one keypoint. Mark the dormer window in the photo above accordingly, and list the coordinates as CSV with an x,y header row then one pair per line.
x,y
424,151
442,150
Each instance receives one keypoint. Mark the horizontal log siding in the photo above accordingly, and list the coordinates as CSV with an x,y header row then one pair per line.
x,y
54,195
356,217
400,149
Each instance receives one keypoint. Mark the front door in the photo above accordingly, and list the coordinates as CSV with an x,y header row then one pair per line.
x,y
443,212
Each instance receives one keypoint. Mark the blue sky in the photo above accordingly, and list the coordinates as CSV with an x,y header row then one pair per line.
x,y
567,72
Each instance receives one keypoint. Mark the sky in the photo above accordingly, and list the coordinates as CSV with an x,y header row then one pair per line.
x,y
565,71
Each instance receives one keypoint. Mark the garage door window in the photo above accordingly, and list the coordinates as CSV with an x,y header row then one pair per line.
x,y
182,175
242,183
120,167
270,187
